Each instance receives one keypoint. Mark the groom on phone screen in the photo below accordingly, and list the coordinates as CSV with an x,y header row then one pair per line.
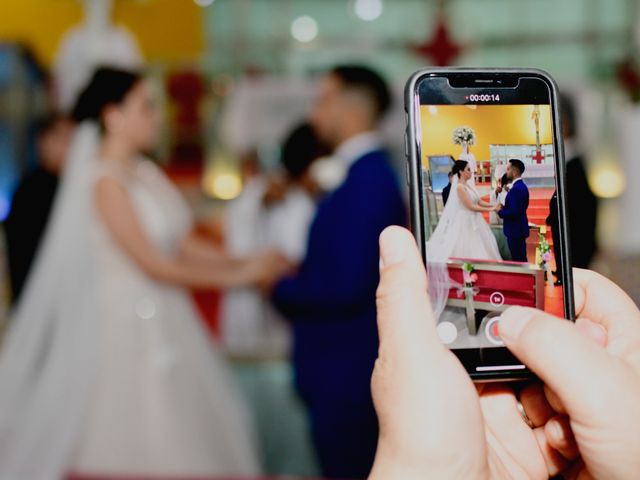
x,y
514,212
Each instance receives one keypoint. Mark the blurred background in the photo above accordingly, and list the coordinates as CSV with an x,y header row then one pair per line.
x,y
233,77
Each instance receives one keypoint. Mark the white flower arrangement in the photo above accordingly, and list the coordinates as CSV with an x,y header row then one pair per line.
x,y
463,135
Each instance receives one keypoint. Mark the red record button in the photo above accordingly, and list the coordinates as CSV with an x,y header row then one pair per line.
x,y
492,331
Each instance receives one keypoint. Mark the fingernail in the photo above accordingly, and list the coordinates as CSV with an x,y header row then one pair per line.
x,y
393,246
558,431
513,321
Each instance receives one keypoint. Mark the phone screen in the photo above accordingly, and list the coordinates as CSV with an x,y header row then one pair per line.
x,y
488,161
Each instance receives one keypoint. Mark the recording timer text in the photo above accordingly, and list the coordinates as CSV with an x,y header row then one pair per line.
x,y
493,97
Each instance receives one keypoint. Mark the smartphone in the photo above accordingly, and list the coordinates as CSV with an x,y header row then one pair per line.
x,y
485,157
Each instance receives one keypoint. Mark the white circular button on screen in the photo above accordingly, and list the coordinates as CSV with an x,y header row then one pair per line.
x,y
447,332
496,299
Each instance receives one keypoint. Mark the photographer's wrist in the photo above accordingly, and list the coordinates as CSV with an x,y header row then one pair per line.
x,y
385,468
397,463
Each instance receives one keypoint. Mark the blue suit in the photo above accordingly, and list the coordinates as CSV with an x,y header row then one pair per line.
x,y
331,305
516,223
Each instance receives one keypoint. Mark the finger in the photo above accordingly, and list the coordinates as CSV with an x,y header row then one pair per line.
x,y
555,462
560,436
415,377
592,330
554,400
603,302
593,295
535,404
507,433
405,320
571,364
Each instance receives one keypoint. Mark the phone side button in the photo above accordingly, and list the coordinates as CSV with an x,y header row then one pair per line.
x,y
407,173
406,145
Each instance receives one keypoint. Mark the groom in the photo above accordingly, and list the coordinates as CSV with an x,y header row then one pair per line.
x,y
514,212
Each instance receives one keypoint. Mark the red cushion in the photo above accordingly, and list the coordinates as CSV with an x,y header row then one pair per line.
x,y
497,280
518,288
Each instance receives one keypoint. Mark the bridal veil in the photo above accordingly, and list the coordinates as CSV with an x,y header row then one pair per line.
x,y
439,249
44,390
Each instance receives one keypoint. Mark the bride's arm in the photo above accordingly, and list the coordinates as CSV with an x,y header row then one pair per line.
x,y
197,249
116,211
482,203
466,201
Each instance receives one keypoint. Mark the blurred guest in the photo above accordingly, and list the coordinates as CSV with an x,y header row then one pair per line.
x,y
499,195
331,299
582,204
249,166
34,197
446,190
107,369
290,201
269,213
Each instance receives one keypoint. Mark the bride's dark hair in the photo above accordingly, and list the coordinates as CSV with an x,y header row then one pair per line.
x,y
107,86
458,167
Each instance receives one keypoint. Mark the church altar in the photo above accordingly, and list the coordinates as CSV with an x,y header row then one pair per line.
x,y
539,162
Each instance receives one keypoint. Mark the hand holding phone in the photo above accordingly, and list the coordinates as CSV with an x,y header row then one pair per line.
x,y
488,127
435,424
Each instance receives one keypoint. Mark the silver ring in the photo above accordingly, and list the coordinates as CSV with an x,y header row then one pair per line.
x,y
524,415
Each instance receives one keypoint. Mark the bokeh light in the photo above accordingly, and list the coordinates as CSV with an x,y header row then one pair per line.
x,y
304,29
368,10
222,185
607,180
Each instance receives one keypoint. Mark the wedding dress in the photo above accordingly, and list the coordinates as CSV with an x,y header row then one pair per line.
x,y
104,370
460,233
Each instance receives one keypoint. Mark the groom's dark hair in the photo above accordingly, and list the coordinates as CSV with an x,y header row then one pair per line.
x,y
367,81
517,164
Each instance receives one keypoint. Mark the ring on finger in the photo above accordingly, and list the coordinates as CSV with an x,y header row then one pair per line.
x,y
524,415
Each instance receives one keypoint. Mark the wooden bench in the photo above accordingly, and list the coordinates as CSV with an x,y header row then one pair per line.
x,y
499,286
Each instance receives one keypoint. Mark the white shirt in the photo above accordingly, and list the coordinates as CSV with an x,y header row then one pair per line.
x,y
357,146
250,326
330,172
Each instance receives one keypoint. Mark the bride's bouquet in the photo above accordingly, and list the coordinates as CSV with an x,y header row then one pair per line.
x,y
464,135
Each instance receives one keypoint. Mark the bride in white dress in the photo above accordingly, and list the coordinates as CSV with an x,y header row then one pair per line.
x,y
106,368
461,232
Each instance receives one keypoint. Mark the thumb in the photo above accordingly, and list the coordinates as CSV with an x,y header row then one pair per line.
x,y
406,323
574,366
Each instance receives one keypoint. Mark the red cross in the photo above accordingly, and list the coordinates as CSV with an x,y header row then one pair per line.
x,y
538,156
441,48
